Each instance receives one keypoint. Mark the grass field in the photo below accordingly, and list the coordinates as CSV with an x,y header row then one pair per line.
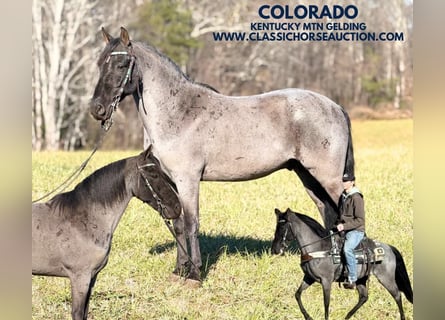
x,y
242,280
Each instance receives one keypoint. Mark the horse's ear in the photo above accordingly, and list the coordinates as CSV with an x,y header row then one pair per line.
x,y
107,37
147,151
125,38
277,212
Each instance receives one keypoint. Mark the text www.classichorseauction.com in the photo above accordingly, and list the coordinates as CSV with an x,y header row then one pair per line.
x,y
315,30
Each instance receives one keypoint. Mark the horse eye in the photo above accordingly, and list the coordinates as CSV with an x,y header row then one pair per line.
x,y
152,174
123,64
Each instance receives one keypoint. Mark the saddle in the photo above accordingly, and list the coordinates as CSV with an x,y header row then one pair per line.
x,y
368,251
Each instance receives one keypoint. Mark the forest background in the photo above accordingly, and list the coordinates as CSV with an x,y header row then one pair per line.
x,y
371,80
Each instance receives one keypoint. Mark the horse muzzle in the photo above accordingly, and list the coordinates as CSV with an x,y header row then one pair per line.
x,y
172,213
99,112
278,250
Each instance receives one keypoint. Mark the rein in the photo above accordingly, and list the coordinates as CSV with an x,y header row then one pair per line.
x,y
155,195
161,210
106,125
307,244
76,172
329,236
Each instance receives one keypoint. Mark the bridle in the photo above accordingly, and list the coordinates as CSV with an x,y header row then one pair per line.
x,y
106,124
284,239
288,227
161,207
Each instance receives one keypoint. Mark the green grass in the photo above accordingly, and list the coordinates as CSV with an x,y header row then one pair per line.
x,y
242,280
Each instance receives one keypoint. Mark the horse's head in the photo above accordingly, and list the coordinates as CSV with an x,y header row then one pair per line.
x,y
117,78
283,232
155,187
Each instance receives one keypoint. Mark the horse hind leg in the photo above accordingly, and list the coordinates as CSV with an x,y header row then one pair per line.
x,y
390,284
306,283
397,295
362,296
325,195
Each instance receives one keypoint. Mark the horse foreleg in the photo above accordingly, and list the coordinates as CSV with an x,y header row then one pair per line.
x,y
192,228
306,283
188,191
81,287
326,285
181,247
362,296
90,290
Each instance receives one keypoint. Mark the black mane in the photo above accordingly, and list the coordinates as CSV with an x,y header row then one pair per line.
x,y
104,186
176,67
313,224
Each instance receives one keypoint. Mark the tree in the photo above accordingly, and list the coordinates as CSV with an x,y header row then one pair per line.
x,y
65,45
60,32
345,71
64,66
167,25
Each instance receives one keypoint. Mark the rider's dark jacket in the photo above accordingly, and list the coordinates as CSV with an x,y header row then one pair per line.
x,y
352,210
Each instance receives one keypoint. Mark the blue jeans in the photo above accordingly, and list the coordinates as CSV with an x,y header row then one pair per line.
x,y
353,238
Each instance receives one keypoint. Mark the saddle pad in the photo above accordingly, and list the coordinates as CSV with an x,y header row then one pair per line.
x,y
368,251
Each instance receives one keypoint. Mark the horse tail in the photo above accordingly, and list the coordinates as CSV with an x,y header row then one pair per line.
x,y
349,162
402,278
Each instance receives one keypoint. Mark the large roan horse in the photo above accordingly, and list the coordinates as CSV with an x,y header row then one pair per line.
x,y
199,134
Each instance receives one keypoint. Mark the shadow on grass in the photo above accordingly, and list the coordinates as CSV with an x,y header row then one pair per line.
x,y
214,245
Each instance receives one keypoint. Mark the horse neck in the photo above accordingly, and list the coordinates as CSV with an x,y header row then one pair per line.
x,y
110,213
166,97
308,239
131,180
162,80
138,188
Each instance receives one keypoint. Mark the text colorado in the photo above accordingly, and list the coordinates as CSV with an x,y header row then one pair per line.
x,y
307,12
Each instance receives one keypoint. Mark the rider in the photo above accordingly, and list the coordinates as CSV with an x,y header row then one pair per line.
x,y
352,221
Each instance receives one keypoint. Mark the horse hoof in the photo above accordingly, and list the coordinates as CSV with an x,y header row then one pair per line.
x,y
175,277
187,280
182,271
192,283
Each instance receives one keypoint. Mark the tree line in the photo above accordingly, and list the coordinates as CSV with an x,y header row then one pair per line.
x,y
66,42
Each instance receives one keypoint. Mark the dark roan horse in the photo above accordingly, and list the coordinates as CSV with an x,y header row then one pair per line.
x,y
199,134
319,265
72,233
